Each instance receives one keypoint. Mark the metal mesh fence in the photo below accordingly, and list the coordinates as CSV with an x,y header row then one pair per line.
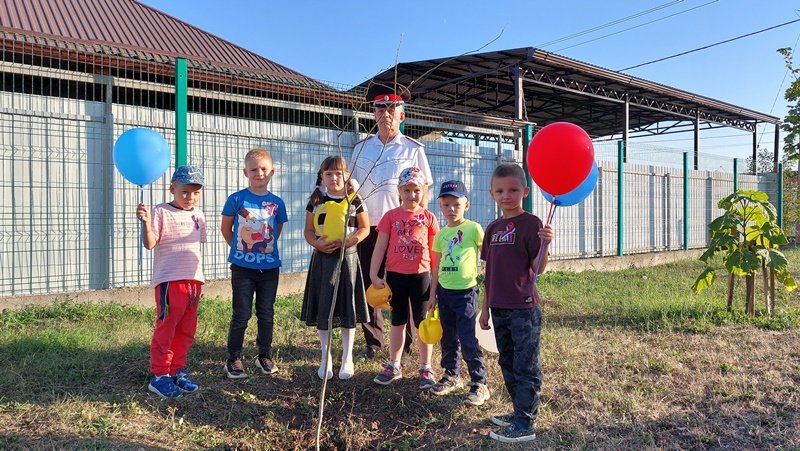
x,y
67,217
669,157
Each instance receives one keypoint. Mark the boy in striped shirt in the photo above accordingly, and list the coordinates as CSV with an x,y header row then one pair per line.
x,y
175,232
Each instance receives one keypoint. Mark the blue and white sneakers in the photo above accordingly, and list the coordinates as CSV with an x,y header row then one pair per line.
x,y
164,386
172,386
183,382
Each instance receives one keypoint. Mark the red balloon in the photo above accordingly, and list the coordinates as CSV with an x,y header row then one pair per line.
x,y
560,157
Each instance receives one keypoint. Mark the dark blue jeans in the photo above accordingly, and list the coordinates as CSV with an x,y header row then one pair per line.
x,y
245,283
457,312
518,335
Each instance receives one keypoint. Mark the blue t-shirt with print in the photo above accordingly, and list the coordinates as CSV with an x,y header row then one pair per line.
x,y
255,225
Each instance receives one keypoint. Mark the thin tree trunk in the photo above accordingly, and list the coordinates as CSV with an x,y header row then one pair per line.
x,y
771,290
749,306
765,280
731,280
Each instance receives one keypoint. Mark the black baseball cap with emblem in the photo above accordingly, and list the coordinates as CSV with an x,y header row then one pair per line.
x,y
385,94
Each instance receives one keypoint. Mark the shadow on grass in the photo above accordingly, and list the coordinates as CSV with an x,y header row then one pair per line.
x,y
59,378
26,442
281,410
41,372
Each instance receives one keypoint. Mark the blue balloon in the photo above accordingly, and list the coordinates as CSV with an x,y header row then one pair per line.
x,y
141,155
578,194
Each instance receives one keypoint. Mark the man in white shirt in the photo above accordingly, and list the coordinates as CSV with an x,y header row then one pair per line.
x,y
377,162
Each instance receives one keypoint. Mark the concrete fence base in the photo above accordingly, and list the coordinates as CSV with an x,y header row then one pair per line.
x,y
625,262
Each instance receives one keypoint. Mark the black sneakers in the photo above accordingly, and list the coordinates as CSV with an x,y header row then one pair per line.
x,y
266,365
235,369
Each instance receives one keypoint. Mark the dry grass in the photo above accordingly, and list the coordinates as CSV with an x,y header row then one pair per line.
x,y
617,376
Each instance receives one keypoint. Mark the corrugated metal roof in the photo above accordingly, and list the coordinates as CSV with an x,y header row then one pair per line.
x,y
556,88
119,27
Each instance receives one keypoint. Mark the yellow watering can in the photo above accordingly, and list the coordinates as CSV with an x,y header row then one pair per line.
x,y
335,215
430,329
379,297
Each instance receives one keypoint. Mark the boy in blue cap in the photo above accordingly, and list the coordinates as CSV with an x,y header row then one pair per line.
x,y
175,232
454,273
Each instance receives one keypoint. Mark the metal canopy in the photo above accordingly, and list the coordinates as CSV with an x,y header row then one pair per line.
x,y
555,88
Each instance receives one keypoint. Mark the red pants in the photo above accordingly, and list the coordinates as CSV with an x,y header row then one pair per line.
x,y
176,322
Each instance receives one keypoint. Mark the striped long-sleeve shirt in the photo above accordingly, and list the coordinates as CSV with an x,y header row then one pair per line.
x,y
179,233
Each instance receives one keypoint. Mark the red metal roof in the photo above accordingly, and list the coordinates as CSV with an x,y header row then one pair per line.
x,y
130,27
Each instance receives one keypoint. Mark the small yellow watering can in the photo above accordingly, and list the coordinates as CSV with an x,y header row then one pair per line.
x,y
335,215
430,329
379,297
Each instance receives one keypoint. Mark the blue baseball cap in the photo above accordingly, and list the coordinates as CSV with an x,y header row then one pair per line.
x,y
453,188
188,175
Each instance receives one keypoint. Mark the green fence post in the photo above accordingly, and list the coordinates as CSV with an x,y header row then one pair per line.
x,y
685,200
780,195
527,203
735,175
620,197
181,107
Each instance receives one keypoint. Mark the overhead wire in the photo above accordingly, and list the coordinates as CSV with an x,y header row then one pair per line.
x,y
710,45
657,8
609,24
616,22
637,26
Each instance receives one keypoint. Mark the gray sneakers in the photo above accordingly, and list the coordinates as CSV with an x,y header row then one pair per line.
x,y
388,375
478,394
427,379
446,385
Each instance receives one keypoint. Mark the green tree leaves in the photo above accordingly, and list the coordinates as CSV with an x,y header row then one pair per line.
x,y
747,236
791,123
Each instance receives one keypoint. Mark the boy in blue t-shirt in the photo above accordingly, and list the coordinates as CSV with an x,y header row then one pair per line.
x,y
511,248
252,220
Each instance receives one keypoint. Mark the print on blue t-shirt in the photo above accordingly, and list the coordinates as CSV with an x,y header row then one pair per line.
x,y
255,225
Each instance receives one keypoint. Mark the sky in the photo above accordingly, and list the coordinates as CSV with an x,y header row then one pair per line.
x,y
348,42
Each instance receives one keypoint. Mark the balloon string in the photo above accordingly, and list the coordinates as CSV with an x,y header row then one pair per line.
x,y
551,214
551,211
141,227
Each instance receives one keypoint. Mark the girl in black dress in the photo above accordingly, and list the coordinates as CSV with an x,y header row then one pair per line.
x,y
348,225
